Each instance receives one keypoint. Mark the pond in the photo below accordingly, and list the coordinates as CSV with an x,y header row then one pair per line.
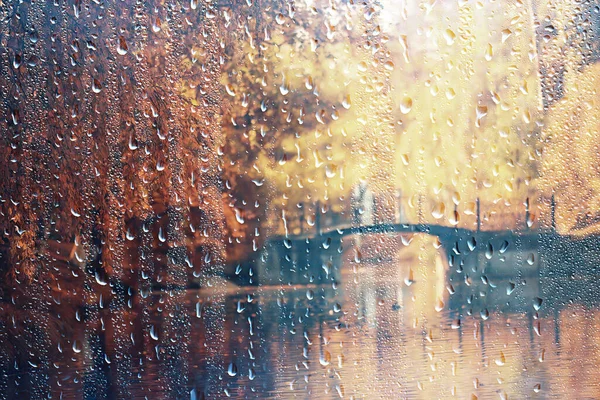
x,y
400,323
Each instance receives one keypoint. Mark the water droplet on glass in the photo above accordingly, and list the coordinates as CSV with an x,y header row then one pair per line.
x,y
485,314
537,303
531,259
153,333
156,25
76,346
232,369
230,90
450,36
406,105
122,46
501,360
96,86
489,251
438,210
489,52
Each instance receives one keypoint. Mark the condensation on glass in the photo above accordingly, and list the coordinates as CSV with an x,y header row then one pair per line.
x,y
313,199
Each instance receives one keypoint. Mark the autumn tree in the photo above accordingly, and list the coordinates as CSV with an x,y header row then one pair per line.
x,y
300,81
110,175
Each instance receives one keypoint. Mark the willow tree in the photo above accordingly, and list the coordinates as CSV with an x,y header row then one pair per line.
x,y
111,122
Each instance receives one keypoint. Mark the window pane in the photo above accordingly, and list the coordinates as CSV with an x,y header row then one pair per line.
x,y
317,199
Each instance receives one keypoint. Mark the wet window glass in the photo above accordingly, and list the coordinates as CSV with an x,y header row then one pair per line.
x,y
310,199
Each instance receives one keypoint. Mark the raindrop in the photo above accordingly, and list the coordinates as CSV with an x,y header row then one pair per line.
x,y
438,210
122,46
454,218
501,360
76,346
156,25
439,304
510,288
283,89
406,105
232,369
153,333
99,279
96,86
33,37
471,243
455,324
240,308
347,103
238,216
531,259
485,314
450,36
230,90
325,358
489,52
17,61
410,279
489,251
480,112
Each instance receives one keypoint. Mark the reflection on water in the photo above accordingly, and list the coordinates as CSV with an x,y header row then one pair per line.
x,y
401,323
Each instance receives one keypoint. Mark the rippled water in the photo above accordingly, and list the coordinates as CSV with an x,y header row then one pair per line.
x,y
403,325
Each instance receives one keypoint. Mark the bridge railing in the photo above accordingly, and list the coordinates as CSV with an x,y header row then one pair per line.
x,y
317,218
